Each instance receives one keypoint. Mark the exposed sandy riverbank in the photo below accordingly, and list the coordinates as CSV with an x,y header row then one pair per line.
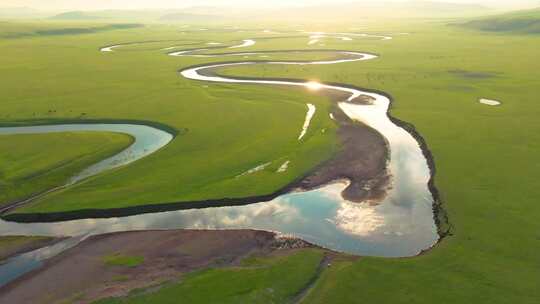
x,y
166,255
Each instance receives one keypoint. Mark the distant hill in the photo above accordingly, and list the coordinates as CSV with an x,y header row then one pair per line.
x,y
527,21
76,15
125,15
442,8
140,15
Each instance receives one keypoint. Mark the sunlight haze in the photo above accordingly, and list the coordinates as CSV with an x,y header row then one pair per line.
x,y
149,4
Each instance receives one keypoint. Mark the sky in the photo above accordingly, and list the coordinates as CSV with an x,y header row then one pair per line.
x,y
139,4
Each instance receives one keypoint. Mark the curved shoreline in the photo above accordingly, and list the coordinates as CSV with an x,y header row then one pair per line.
x,y
146,140
66,121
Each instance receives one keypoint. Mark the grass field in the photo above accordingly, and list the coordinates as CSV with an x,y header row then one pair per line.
x,y
487,169
30,164
122,260
143,85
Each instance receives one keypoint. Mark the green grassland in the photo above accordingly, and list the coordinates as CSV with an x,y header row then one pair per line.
x,y
30,164
123,260
487,169
230,128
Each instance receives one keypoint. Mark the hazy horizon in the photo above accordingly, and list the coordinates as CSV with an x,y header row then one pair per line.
x,y
163,4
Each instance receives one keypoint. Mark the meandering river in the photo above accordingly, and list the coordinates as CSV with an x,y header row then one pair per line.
x,y
402,224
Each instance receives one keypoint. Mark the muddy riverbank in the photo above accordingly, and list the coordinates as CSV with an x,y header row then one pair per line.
x,y
87,274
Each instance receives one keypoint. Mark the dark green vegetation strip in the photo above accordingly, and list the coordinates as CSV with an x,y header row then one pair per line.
x,y
257,280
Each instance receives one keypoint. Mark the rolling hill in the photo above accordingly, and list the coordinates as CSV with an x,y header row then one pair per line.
x,y
76,15
527,21
122,15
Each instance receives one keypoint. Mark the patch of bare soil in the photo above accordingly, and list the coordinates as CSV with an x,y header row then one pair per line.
x,y
80,275
362,159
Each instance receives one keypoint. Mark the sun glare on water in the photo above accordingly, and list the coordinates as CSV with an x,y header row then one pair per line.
x,y
313,85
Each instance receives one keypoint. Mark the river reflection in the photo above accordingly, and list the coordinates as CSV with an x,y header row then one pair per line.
x,y
390,229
